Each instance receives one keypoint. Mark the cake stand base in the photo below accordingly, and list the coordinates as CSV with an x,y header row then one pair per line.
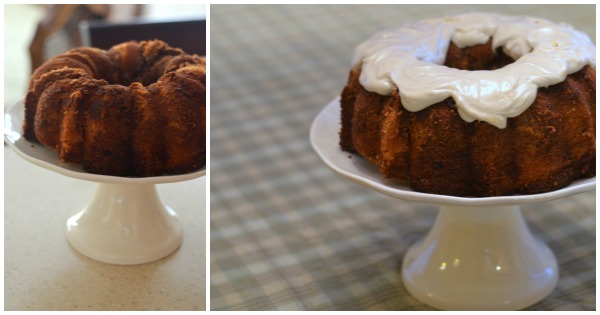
x,y
479,255
125,224
479,258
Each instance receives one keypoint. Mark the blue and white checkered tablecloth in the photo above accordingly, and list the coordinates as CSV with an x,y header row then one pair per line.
x,y
286,232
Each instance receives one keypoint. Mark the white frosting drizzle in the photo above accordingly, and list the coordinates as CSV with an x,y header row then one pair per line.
x,y
411,59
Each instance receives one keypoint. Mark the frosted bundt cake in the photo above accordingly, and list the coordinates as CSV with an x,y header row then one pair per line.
x,y
474,105
138,109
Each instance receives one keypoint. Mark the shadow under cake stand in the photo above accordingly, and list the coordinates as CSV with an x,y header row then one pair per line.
x,y
125,222
479,254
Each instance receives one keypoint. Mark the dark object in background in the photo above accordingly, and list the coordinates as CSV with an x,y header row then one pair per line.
x,y
189,35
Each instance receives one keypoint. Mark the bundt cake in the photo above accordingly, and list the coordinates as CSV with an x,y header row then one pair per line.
x,y
138,109
474,105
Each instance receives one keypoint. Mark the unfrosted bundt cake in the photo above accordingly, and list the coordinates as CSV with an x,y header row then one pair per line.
x,y
474,105
138,109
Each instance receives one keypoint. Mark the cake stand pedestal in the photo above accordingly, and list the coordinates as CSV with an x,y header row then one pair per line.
x,y
125,222
479,254
479,258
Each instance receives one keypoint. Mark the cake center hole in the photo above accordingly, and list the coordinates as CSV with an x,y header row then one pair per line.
x,y
478,57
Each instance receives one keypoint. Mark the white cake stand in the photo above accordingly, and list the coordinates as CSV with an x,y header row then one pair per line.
x,y
125,222
479,254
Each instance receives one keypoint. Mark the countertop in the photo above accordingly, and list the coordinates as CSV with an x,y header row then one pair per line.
x,y
43,272
286,232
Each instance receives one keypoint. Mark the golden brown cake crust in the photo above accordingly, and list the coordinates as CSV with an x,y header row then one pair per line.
x,y
435,151
138,109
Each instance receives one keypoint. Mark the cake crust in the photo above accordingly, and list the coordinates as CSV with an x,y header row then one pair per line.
x,y
433,150
138,109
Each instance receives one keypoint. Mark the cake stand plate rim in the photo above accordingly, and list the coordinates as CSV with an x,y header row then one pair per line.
x,y
325,141
48,159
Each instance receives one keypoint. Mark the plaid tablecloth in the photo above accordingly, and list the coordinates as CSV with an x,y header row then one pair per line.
x,y
286,232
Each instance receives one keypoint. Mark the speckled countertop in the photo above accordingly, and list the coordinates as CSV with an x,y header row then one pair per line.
x,y
42,271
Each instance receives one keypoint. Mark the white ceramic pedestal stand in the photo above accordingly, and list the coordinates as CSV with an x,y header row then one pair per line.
x,y
479,254
479,258
125,222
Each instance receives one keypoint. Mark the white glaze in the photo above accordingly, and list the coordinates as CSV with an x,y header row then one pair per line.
x,y
411,59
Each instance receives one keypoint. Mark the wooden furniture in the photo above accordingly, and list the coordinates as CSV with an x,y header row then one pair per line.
x,y
59,30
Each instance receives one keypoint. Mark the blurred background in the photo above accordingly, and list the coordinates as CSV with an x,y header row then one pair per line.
x,y
35,33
